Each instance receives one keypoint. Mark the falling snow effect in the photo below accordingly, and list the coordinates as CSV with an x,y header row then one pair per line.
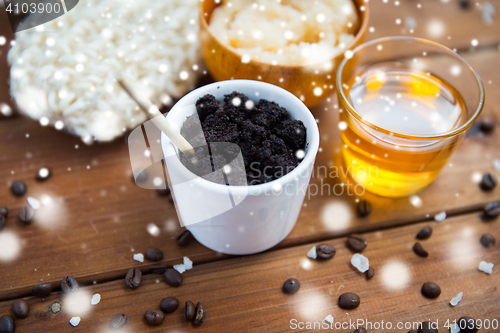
x,y
416,201
96,298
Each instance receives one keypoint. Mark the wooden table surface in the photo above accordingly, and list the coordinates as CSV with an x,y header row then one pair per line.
x,y
99,218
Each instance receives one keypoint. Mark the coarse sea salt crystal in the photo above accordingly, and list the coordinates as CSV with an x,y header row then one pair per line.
x,y
329,319
439,217
180,268
496,164
74,321
454,328
188,264
455,300
96,298
360,262
486,267
312,253
34,203
139,257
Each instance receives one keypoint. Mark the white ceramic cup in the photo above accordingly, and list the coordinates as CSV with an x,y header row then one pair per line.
x,y
259,216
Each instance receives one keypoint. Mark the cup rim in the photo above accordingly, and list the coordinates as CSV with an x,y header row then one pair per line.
x,y
363,27
309,158
453,132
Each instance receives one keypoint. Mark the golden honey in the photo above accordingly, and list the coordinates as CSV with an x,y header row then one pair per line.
x,y
401,101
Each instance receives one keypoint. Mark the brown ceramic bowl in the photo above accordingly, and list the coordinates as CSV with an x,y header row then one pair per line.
x,y
225,64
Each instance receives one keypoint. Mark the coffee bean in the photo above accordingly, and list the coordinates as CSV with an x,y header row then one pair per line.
x,y
4,211
487,126
425,233
427,327
419,250
7,324
349,301
26,215
158,269
154,317
69,285
291,286
153,254
492,210
42,290
487,240
118,321
430,290
18,188
464,4
360,330
133,278
364,208
467,325
356,243
199,316
324,251
42,174
2,222
172,277
370,273
169,304
190,311
412,331
183,238
489,182
20,308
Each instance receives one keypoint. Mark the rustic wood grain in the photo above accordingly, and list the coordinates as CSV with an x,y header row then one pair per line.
x,y
244,294
99,213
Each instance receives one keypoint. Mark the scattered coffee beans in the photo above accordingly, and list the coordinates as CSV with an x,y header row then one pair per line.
x,y
430,290
42,290
153,254
154,317
133,278
487,240
419,250
486,126
69,285
2,222
169,304
467,325
364,208
324,251
20,308
158,269
412,331
489,182
360,330
492,210
118,321
425,233
427,327
42,174
4,211
199,316
190,310
349,301
356,243
184,238
291,286
18,188
172,277
26,215
7,324
370,273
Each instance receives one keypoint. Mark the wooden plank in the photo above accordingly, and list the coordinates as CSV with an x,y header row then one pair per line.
x,y
99,213
244,294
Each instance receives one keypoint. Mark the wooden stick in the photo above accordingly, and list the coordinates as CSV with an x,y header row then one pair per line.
x,y
156,116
